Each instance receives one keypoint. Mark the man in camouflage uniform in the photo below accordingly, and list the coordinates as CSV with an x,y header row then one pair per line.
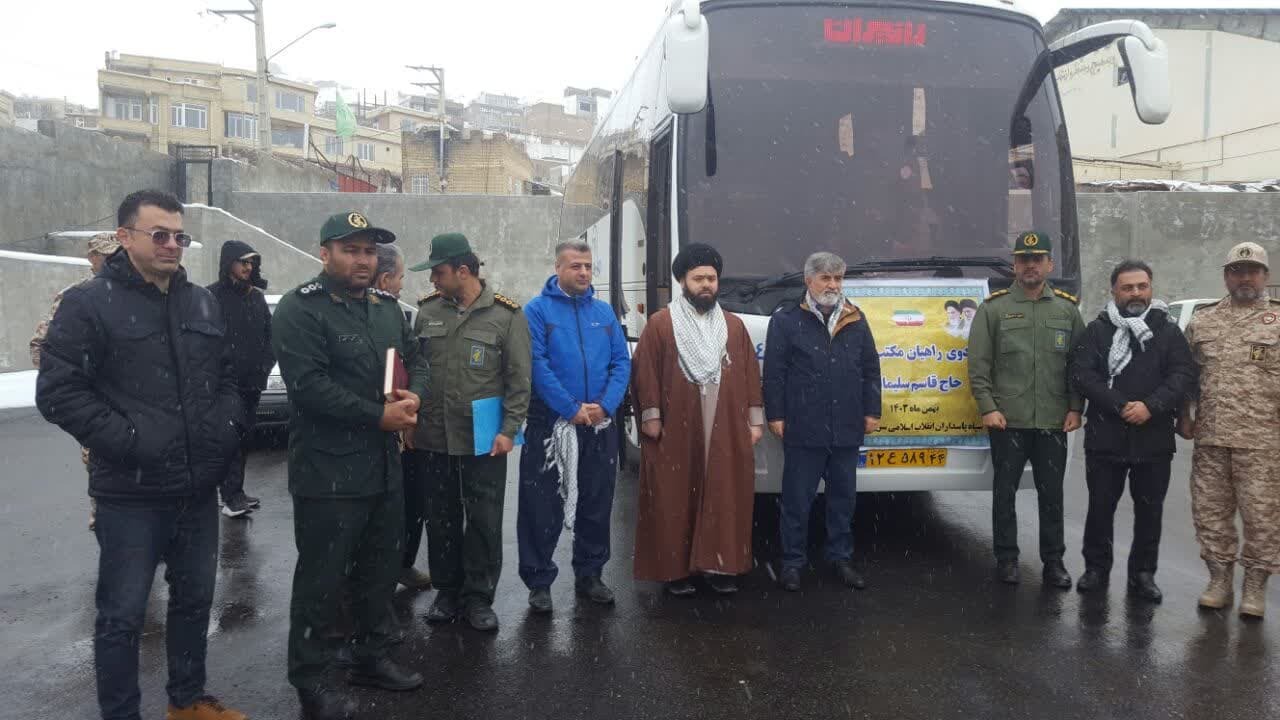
x,y
1018,349
476,343
101,247
1236,427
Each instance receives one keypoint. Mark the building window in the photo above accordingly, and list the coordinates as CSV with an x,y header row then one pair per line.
x,y
419,184
286,137
251,92
189,115
364,151
585,106
333,146
240,125
124,108
153,114
292,102
406,125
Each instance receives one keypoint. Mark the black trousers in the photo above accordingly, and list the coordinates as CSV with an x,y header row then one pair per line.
x,y
232,485
1010,452
415,507
1148,484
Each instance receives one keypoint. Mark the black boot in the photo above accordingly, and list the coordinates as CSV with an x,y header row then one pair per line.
x,y
790,579
444,609
722,584
1056,575
540,600
324,704
386,674
595,590
1092,579
1007,571
1143,585
846,573
681,588
480,616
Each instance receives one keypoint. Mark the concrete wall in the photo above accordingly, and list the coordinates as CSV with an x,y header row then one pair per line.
x,y
28,282
27,286
69,182
262,174
514,236
1183,236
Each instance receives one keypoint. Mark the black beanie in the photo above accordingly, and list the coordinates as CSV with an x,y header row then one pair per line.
x,y
696,255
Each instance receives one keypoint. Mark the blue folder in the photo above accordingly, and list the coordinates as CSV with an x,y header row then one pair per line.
x,y
486,421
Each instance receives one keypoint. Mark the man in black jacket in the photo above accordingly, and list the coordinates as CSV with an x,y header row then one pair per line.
x,y
1135,368
133,367
821,396
239,291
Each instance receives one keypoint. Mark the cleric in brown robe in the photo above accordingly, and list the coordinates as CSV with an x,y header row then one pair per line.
x,y
696,384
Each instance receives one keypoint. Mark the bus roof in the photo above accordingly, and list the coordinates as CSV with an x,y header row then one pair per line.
x,y
1021,7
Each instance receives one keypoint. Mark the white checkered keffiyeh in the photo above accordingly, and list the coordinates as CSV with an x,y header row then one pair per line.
x,y
1121,351
562,454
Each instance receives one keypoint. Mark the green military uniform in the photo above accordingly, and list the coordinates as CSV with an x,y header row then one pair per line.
x,y
1018,351
481,351
344,471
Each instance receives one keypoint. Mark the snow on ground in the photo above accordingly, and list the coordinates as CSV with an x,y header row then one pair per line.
x,y
17,389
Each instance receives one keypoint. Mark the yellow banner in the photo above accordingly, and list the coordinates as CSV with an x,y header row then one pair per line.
x,y
921,328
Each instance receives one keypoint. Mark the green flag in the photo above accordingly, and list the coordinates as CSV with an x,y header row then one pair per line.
x,y
344,120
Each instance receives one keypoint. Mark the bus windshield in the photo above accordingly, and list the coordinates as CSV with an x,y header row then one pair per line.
x,y
875,133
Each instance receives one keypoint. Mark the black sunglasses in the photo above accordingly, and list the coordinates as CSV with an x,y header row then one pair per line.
x,y
161,237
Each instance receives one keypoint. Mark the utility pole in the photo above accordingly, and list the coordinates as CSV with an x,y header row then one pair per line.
x,y
264,103
438,86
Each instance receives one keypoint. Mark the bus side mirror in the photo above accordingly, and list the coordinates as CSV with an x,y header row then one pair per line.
x,y
1145,57
686,49
1148,78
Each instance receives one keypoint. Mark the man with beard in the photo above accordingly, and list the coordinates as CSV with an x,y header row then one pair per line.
x,y
822,395
1135,369
696,383
331,338
1018,349
244,308
1235,422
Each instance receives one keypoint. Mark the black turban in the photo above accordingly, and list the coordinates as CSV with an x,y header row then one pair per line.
x,y
696,255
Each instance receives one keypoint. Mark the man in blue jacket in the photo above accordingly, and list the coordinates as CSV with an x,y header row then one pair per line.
x,y
821,396
570,458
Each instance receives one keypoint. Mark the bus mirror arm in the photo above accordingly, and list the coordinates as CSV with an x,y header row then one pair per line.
x,y
1145,57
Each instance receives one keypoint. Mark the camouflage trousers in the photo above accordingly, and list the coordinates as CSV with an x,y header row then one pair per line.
x,y
1226,481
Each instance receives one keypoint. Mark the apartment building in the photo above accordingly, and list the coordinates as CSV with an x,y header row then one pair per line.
x,y
161,102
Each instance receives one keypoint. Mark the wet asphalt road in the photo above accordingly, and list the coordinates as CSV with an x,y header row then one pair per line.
x,y
934,637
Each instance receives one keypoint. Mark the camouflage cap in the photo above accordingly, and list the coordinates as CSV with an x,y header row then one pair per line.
x,y
345,224
1033,243
104,243
1247,253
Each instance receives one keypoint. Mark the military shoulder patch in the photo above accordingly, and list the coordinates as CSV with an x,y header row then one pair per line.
x,y
309,289
428,297
506,302
1273,301
1066,296
998,293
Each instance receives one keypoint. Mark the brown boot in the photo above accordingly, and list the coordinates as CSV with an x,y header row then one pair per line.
x,y
206,708
1253,600
1219,593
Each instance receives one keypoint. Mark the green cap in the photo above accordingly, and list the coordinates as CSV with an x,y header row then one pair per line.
x,y
1033,243
443,248
344,225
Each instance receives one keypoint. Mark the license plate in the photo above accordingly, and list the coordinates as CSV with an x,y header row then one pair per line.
x,y
906,458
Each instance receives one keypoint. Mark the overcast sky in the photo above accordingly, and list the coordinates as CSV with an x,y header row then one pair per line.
x,y
529,49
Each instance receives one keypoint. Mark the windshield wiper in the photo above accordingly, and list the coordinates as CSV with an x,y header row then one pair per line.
x,y
877,264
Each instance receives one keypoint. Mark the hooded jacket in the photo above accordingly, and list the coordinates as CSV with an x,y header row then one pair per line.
x,y
1160,376
248,321
579,352
140,378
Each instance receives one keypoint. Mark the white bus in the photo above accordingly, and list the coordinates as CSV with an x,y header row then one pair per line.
x,y
914,138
